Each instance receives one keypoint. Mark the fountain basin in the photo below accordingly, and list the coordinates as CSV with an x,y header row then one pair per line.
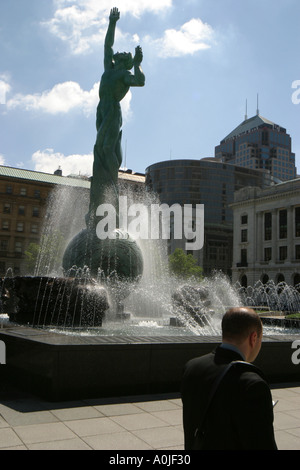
x,y
61,367
41,301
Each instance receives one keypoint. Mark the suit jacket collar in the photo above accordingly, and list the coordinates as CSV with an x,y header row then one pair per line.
x,y
231,347
224,355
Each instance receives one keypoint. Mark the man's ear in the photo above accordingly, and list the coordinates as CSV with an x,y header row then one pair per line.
x,y
253,338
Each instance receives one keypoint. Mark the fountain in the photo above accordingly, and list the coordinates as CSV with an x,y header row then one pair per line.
x,y
275,302
113,258
111,320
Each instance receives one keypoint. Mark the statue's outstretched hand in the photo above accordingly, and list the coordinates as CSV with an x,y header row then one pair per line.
x,y
114,15
138,55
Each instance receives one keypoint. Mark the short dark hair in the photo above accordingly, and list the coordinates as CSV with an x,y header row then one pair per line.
x,y
239,322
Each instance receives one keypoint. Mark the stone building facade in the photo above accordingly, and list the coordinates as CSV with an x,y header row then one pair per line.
x,y
267,234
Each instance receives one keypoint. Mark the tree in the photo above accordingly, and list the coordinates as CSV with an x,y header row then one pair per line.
x,y
31,255
46,256
183,265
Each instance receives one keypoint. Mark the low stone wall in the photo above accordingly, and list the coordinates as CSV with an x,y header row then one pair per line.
x,y
61,367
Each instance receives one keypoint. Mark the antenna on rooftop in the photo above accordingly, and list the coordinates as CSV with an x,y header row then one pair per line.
x,y
246,115
257,110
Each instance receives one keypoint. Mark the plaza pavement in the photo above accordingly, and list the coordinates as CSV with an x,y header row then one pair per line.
x,y
128,423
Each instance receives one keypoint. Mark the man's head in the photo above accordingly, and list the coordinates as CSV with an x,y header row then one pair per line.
x,y
242,327
123,59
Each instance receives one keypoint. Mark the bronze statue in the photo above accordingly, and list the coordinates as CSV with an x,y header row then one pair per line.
x,y
115,83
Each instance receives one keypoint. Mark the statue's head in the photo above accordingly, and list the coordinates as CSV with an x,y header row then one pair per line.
x,y
124,59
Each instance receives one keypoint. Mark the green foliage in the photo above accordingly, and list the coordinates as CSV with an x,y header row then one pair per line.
x,y
47,254
183,265
293,316
31,255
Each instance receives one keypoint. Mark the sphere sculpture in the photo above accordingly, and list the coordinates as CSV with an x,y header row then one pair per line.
x,y
118,257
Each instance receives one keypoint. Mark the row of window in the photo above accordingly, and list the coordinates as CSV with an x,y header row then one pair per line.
x,y
20,226
23,191
18,247
268,225
282,252
7,209
283,222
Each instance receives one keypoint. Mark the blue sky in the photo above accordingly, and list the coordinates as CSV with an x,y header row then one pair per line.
x,y
202,60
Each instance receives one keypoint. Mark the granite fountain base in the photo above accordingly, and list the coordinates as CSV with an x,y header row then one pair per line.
x,y
63,367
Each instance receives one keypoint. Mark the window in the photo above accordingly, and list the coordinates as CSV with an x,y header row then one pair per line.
x,y
268,226
34,228
21,210
265,138
18,247
282,253
3,245
297,252
212,253
35,212
23,192
268,254
9,189
244,219
217,251
283,223
244,257
7,208
5,225
297,222
20,226
280,278
37,193
244,236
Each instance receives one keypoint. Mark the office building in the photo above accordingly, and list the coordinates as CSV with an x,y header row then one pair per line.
x,y
259,143
211,183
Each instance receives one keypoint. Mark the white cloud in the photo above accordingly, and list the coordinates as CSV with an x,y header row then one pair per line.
x,y
2,160
4,88
62,98
192,37
48,161
126,107
83,23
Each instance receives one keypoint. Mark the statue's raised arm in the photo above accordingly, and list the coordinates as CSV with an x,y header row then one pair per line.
x,y
110,38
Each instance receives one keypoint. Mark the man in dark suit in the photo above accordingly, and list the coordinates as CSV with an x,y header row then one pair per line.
x,y
240,416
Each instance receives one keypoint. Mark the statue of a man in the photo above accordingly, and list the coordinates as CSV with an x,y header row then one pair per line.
x,y
115,83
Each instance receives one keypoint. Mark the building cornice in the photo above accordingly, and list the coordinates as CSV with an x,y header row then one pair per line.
x,y
262,198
